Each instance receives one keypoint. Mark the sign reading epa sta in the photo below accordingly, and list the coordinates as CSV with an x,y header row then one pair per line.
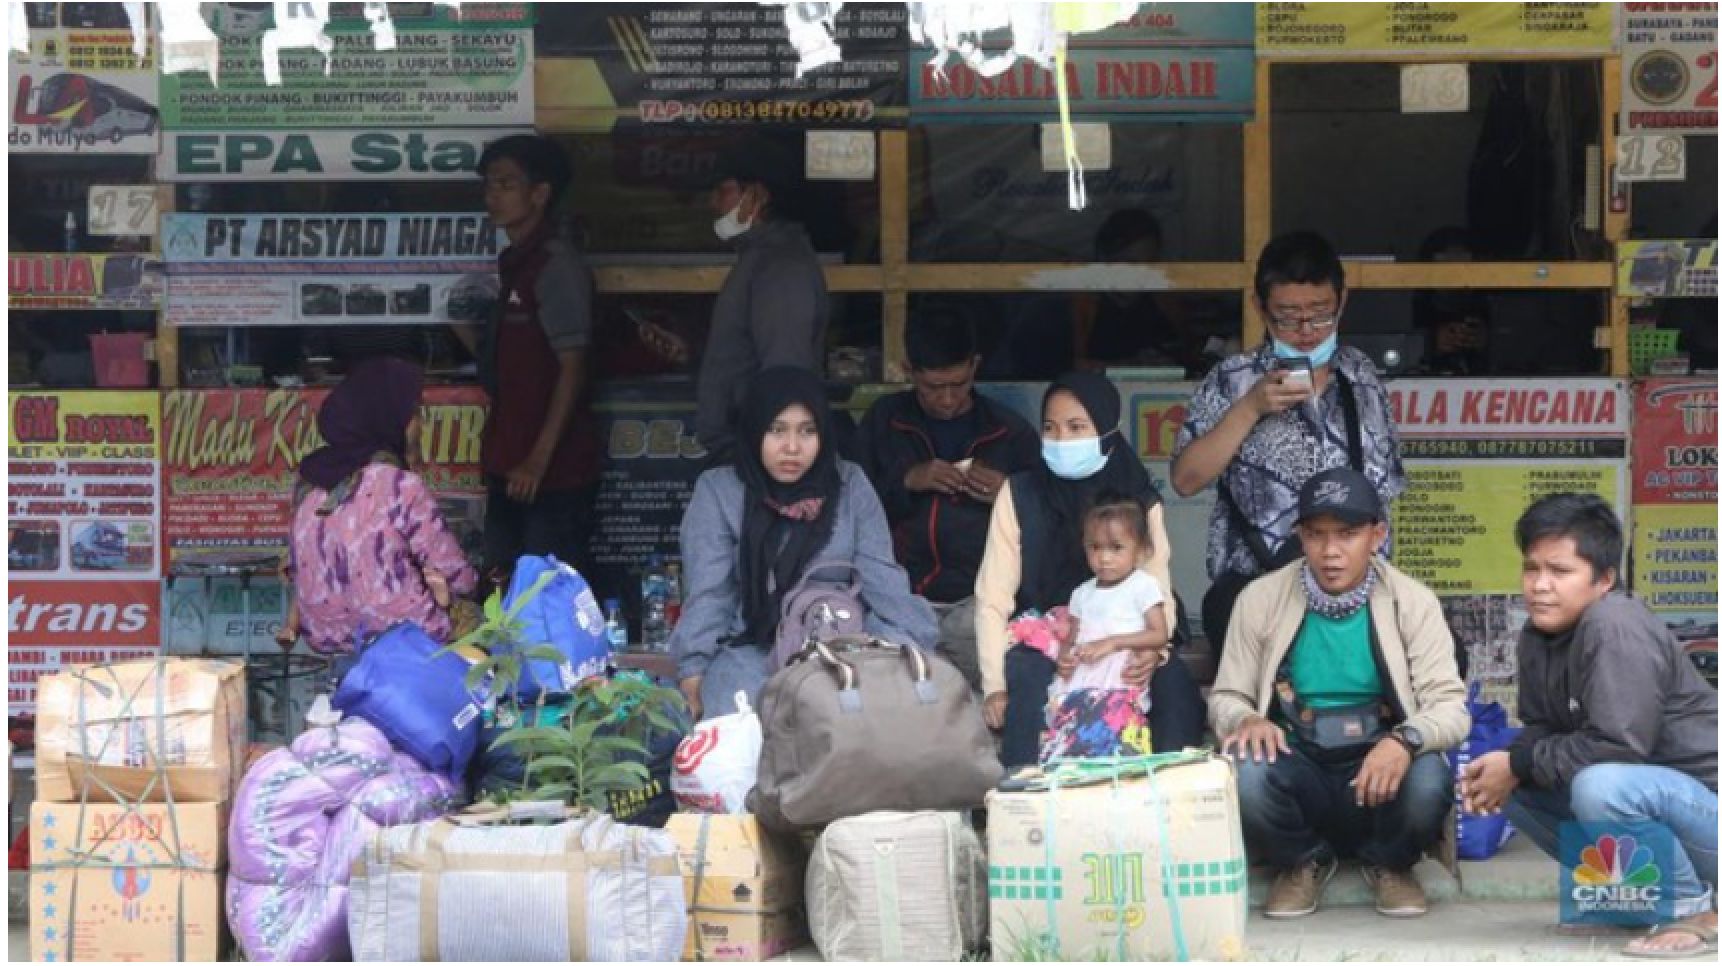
x,y
325,155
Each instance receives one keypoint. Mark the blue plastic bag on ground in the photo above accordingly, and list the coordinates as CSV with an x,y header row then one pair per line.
x,y
1480,836
416,697
557,609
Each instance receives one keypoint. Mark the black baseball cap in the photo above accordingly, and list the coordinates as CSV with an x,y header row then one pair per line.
x,y
1342,493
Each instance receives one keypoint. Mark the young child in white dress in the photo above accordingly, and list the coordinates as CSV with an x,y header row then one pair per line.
x,y
1091,711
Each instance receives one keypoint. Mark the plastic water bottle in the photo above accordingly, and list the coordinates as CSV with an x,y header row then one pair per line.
x,y
615,626
655,606
674,611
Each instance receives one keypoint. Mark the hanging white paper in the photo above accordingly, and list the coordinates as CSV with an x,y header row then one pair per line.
x,y
298,24
20,28
1038,30
812,32
382,28
187,43
140,28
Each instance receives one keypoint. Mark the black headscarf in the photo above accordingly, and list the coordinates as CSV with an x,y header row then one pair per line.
x,y
785,526
1064,566
366,415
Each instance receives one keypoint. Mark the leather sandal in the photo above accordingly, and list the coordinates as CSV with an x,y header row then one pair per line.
x,y
1705,935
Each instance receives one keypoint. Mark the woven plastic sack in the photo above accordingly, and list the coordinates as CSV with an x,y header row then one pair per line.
x,y
898,886
582,890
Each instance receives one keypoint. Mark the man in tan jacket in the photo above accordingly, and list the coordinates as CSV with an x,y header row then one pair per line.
x,y
1337,692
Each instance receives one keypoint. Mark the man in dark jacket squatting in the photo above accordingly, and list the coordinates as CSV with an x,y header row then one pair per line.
x,y
1619,727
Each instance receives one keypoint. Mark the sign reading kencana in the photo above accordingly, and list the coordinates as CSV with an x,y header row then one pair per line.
x,y
1479,452
337,269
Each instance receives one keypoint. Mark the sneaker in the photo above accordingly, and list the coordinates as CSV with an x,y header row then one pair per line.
x,y
1297,892
1398,894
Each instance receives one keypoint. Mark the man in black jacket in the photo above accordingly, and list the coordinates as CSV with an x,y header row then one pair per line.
x,y
938,456
1619,727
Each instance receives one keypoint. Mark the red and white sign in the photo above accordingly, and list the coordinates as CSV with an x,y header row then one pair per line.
x,y
83,531
54,624
1497,408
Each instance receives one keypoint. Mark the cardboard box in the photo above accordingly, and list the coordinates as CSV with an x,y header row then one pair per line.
x,y
745,937
107,882
748,904
113,724
1122,858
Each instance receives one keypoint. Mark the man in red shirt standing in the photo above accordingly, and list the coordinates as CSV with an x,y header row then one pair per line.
x,y
540,452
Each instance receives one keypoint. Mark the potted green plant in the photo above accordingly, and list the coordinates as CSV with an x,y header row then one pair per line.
x,y
581,751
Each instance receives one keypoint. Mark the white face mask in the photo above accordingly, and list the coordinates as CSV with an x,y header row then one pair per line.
x,y
731,226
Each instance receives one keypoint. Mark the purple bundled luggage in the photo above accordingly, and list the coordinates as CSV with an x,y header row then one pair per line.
x,y
301,817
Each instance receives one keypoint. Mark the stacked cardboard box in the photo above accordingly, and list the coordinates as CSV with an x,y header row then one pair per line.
x,y
136,764
744,888
140,730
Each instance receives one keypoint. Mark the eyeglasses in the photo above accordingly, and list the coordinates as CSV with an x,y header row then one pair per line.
x,y
1317,323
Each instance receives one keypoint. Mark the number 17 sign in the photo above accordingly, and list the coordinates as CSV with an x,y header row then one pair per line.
x,y
123,209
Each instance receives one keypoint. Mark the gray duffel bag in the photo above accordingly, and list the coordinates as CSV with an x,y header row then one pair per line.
x,y
856,725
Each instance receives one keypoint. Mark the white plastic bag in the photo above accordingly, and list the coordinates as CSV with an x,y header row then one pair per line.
x,y
717,765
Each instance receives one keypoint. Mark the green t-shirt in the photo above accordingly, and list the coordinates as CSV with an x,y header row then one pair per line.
x,y
1332,664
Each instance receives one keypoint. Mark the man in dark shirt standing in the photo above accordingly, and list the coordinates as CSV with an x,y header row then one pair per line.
x,y
1619,727
540,450
938,455
773,308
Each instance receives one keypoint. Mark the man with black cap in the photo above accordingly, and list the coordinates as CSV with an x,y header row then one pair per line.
x,y
1336,694
773,307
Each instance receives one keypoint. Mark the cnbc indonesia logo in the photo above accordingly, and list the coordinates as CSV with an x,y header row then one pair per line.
x,y
1616,874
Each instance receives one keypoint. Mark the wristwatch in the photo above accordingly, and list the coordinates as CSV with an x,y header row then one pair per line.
x,y
1410,737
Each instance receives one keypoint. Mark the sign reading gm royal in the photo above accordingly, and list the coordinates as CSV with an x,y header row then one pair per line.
x,y
1615,874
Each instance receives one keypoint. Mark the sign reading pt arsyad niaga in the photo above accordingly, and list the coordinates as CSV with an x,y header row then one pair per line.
x,y
340,269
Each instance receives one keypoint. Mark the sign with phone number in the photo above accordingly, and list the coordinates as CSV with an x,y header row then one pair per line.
x,y
772,112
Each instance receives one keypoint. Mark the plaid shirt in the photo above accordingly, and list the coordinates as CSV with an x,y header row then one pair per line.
x,y
1286,449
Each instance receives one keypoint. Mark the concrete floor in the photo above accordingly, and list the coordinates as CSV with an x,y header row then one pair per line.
x,y
1464,931
1503,913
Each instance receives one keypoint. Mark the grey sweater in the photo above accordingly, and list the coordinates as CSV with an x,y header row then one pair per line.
x,y
1616,688
711,598
771,311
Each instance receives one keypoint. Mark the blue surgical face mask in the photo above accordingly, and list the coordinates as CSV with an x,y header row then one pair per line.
x,y
1073,459
1320,356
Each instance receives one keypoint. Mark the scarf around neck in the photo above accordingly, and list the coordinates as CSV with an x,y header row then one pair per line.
x,y
1337,606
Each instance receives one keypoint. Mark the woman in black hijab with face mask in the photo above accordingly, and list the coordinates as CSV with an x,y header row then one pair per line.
x,y
754,529
1034,559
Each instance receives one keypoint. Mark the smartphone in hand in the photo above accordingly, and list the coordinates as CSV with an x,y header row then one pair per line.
x,y
1297,373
